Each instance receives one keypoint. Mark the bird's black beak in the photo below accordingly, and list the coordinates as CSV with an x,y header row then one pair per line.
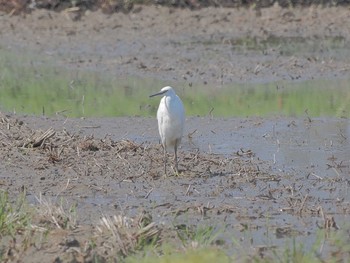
x,y
158,93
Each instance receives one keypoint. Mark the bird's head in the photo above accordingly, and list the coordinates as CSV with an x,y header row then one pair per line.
x,y
164,91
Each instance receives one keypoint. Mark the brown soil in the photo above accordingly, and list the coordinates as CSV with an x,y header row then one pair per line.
x,y
213,45
112,6
114,166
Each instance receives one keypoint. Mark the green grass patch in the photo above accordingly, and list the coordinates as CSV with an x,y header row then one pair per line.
x,y
45,89
14,217
313,98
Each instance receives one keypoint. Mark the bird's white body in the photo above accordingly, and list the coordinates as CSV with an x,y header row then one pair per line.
x,y
171,121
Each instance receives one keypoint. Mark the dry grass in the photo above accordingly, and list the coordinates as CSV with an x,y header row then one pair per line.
x,y
56,214
87,153
122,235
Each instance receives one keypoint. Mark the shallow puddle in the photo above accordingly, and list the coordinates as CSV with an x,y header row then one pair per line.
x,y
316,146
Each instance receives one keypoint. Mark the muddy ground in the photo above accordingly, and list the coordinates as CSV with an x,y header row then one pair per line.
x,y
213,45
114,166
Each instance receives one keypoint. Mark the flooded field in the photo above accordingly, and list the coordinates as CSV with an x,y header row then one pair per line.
x,y
265,158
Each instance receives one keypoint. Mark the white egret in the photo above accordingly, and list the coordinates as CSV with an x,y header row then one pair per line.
x,y
171,120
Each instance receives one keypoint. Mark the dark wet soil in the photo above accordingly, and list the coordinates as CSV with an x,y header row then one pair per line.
x,y
212,45
112,166
14,7
107,167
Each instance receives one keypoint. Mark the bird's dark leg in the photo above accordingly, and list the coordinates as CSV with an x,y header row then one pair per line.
x,y
165,157
175,157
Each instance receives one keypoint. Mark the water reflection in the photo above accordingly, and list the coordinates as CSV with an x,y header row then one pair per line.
x,y
316,147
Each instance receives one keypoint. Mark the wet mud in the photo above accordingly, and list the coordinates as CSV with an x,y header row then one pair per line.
x,y
213,46
274,178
